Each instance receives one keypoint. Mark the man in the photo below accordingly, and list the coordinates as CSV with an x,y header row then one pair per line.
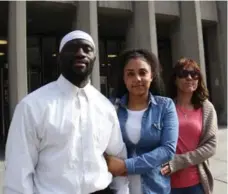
x,y
60,132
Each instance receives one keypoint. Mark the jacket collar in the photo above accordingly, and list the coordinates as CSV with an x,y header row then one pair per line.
x,y
124,100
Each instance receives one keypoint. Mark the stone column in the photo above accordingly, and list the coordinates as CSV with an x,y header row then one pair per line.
x,y
222,66
142,27
215,75
142,31
187,36
86,20
17,55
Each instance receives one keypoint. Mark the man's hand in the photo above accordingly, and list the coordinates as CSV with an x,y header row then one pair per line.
x,y
116,166
165,170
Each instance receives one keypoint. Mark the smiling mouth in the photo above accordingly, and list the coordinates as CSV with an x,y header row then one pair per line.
x,y
80,64
137,86
189,85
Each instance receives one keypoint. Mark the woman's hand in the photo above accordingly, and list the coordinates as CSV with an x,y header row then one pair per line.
x,y
116,166
165,170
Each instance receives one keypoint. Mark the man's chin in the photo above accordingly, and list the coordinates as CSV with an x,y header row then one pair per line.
x,y
81,74
80,71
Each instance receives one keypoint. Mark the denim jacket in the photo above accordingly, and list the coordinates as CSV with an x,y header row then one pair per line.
x,y
157,144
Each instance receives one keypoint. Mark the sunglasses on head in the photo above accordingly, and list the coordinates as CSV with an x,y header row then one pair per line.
x,y
185,73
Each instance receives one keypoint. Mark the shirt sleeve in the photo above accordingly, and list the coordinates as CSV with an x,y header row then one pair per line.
x,y
21,152
165,152
116,147
204,151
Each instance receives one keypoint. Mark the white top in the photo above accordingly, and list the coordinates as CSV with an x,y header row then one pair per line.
x,y
56,142
133,129
133,125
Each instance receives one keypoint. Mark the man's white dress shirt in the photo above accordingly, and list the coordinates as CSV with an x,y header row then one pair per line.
x,y
56,142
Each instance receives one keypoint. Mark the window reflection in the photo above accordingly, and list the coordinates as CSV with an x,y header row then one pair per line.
x,y
4,91
108,52
49,59
34,63
42,61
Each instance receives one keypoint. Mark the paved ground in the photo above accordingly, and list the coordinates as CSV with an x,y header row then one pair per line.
x,y
218,164
1,170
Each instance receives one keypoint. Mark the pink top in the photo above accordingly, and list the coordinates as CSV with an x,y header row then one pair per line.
x,y
190,127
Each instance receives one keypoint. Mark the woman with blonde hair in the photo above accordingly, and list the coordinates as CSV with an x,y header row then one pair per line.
x,y
189,170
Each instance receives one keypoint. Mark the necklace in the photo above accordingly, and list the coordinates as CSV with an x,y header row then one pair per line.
x,y
184,113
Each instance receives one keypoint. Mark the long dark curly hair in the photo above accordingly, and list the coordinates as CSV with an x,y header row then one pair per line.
x,y
201,93
157,85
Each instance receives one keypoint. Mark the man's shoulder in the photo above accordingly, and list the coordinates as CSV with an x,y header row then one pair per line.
x,y
40,94
102,100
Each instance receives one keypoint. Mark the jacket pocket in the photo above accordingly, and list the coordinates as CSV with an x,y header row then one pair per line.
x,y
154,134
157,126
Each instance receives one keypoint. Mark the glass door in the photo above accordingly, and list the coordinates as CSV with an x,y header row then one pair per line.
x,y
108,52
42,61
50,68
34,63
4,93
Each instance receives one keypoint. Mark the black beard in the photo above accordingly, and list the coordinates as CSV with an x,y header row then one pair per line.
x,y
79,79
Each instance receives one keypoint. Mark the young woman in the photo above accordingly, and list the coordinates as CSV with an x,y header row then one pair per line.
x,y
197,131
148,122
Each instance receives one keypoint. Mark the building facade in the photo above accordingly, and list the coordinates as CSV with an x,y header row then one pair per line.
x,y
31,31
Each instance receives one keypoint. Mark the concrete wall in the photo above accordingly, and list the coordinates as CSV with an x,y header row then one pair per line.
x,y
17,53
222,36
125,5
186,37
87,21
142,27
212,62
167,8
186,34
208,11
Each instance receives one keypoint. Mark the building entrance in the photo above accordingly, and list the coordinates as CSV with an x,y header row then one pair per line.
x,y
42,68
109,49
4,93
42,61
45,28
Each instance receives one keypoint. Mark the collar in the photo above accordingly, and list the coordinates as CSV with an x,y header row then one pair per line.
x,y
70,89
124,100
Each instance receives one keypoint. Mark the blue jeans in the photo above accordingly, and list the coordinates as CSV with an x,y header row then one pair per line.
x,y
196,189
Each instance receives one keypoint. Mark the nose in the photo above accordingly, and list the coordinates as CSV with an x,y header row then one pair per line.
x,y
80,52
189,76
138,77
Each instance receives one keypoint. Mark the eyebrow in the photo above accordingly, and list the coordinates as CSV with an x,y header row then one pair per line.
x,y
87,44
129,69
81,43
139,69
